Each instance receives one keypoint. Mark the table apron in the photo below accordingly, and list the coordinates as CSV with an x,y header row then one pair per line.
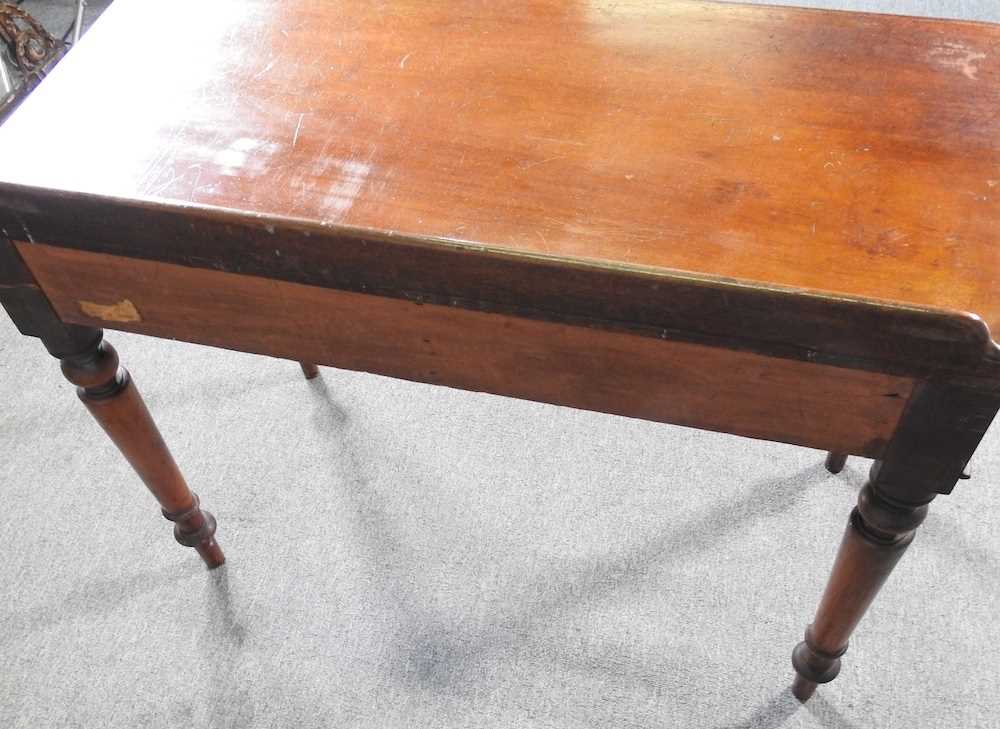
x,y
713,388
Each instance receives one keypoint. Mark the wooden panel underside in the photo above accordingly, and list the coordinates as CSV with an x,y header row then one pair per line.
x,y
675,382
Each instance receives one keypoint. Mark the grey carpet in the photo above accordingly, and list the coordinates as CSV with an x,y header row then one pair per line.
x,y
402,555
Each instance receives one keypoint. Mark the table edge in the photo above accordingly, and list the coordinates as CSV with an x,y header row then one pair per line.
x,y
929,339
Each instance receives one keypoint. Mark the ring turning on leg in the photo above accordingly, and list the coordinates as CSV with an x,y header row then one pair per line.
x,y
111,397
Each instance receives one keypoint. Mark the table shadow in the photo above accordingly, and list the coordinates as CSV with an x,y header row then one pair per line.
x,y
434,651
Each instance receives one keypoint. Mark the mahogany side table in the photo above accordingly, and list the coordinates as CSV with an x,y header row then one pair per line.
x,y
772,222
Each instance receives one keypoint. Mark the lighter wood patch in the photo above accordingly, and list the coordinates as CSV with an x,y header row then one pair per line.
x,y
958,56
123,311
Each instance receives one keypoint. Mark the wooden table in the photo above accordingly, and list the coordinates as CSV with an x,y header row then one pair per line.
x,y
772,222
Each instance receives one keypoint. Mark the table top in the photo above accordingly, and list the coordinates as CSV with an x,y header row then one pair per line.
x,y
834,156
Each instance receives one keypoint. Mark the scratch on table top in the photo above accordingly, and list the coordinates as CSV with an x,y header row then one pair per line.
x,y
559,141
244,156
345,188
957,56
529,165
295,137
404,59
266,68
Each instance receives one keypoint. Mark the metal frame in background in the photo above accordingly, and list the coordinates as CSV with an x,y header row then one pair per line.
x,y
24,43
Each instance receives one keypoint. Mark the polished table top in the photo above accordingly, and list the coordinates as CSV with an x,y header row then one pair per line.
x,y
834,157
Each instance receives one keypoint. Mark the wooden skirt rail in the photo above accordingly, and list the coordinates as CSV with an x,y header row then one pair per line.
x,y
850,411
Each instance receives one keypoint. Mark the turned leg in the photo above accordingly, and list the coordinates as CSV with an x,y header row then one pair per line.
x,y
877,534
934,439
835,462
309,370
938,432
111,397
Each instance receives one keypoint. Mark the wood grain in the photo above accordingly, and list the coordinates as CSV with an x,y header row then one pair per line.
x,y
845,156
676,382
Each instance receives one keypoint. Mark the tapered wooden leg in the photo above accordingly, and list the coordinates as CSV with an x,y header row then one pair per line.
x,y
111,397
835,462
939,431
878,532
309,370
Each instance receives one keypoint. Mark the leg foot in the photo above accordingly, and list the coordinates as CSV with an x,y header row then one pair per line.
x,y
113,400
803,688
310,370
196,528
835,462
813,666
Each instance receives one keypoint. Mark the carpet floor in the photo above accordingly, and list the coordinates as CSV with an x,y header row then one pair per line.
x,y
402,555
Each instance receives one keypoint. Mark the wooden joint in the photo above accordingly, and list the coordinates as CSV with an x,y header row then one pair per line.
x,y
32,312
939,431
